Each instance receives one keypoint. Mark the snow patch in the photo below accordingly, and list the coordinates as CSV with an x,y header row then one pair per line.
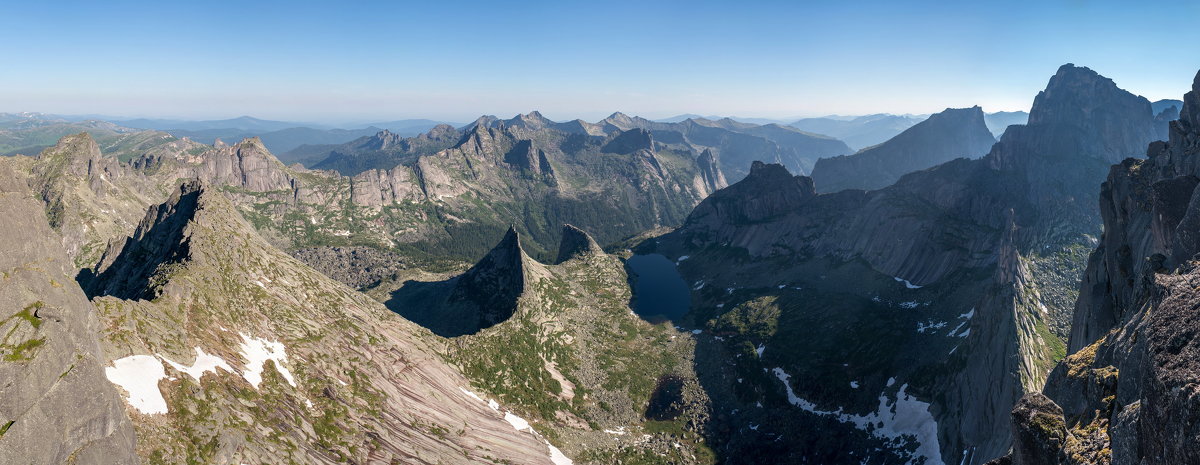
x,y
257,351
204,362
685,257
854,384
557,457
895,421
760,349
697,331
619,431
907,283
139,376
471,394
517,423
909,304
930,326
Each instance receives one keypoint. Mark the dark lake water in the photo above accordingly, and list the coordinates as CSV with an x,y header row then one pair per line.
x,y
659,292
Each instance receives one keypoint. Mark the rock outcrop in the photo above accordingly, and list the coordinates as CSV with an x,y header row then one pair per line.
x,y
953,133
57,406
1039,431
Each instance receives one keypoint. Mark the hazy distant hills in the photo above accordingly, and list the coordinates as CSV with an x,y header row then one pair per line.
x,y
1159,106
245,123
999,121
862,131
278,136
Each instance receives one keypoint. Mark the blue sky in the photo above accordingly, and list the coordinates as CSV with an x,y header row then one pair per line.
x,y
343,61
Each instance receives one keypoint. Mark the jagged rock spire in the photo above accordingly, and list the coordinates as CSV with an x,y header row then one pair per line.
x,y
710,171
576,243
497,281
125,271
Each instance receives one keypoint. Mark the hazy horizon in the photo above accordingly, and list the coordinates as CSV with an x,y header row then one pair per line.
x,y
354,64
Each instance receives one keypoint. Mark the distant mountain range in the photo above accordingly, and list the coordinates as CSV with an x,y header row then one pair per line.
x,y
734,144
278,136
862,131
953,133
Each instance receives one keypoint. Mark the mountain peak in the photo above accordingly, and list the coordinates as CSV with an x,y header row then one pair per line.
x,y
576,243
1079,95
496,282
75,146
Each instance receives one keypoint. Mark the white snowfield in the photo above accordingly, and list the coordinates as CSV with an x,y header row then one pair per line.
x,y
257,351
204,363
139,376
894,421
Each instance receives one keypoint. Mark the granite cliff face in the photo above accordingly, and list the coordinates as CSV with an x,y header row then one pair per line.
x,y
231,351
1126,394
956,280
58,407
953,133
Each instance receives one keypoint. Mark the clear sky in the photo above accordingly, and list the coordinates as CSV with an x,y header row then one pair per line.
x,y
454,60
